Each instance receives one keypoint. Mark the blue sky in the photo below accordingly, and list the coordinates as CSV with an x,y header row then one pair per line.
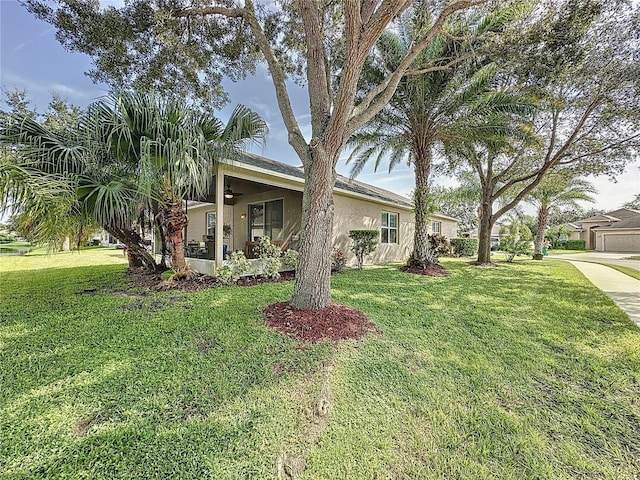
x,y
32,59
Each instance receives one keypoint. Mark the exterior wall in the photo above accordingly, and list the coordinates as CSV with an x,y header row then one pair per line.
x,y
198,221
449,227
356,214
575,235
627,240
292,213
587,235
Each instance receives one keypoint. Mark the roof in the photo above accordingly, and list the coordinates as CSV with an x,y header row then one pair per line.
x,y
573,226
342,182
613,216
633,222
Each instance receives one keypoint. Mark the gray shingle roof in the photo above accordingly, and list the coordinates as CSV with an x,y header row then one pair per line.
x,y
342,182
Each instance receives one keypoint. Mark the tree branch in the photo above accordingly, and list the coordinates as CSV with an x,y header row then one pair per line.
x,y
296,139
379,96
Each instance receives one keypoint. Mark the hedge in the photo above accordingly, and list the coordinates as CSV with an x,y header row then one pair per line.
x,y
576,245
464,247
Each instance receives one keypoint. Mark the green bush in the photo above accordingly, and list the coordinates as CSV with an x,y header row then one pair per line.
x,y
560,244
364,242
236,266
576,245
464,247
516,239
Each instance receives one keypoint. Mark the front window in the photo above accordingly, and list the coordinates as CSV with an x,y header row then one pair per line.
x,y
389,230
436,227
266,218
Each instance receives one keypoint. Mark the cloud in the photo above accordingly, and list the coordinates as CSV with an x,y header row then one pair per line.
x,y
40,92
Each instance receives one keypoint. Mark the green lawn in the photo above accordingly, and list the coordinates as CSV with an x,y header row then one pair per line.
x,y
524,371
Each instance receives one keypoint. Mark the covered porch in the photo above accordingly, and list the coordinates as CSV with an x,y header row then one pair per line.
x,y
241,207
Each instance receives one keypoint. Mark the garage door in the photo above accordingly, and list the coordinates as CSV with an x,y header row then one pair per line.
x,y
622,243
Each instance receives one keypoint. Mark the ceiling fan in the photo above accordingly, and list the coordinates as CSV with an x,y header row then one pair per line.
x,y
230,194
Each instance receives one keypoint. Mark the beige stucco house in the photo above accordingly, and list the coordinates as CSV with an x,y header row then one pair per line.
x,y
256,196
615,231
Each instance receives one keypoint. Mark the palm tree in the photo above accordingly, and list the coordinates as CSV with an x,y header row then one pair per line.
x,y
176,150
432,110
560,189
86,186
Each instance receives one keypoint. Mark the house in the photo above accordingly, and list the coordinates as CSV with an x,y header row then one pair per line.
x,y
615,231
256,196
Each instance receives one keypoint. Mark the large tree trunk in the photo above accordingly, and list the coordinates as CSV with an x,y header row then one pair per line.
x,y
174,221
484,231
422,256
543,221
313,277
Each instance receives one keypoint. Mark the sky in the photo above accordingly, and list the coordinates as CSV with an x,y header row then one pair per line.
x,y
31,59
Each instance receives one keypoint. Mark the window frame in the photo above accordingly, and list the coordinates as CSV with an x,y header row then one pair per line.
x,y
388,228
210,227
439,229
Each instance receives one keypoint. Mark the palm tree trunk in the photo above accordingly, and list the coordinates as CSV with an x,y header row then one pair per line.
x,y
484,231
422,255
137,254
313,277
543,221
174,221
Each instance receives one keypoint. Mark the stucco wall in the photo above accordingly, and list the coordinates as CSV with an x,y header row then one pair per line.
x,y
198,221
620,241
355,214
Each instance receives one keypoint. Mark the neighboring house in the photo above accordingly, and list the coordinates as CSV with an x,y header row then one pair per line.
x,y
495,235
615,231
256,196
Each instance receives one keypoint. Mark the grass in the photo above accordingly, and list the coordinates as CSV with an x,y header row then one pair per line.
x,y
633,257
522,371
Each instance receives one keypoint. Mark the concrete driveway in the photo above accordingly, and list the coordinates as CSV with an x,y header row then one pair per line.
x,y
601,257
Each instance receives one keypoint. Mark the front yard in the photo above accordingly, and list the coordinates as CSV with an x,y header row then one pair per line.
x,y
522,371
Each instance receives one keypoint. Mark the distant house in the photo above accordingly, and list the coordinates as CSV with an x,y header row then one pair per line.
x,y
615,231
256,196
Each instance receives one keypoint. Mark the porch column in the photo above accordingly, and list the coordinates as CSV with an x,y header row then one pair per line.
x,y
219,216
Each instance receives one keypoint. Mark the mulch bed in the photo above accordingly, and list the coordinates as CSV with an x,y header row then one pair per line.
x,y
431,271
334,322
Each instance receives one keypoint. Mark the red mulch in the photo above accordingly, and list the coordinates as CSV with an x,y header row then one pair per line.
x,y
484,264
335,322
431,271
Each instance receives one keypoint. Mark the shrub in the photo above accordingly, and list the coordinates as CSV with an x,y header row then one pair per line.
x,y
270,255
464,247
364,242
230,273
338,260
516,240
439,244
291,258
576,245
266,249
560,244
